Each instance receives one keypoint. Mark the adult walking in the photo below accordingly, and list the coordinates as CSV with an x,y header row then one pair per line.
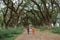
x,y
28,30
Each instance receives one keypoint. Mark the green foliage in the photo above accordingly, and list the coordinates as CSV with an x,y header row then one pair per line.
x,y
54,15
10,38
56,30
43,28
11,32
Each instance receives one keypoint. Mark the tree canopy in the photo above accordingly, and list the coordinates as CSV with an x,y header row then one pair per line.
x,y
36,12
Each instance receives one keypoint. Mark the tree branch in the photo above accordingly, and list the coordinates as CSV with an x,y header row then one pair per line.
x,y
39,9
19,6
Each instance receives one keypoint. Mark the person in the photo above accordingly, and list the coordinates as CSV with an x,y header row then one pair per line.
x,y
28,30
33,31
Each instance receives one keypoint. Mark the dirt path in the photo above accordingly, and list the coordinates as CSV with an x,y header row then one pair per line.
x,y
38,36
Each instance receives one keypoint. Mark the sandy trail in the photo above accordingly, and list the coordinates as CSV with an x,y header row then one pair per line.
x,y
38,36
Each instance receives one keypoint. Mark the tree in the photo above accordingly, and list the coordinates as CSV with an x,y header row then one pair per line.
x,y
38,12
46,13
12,12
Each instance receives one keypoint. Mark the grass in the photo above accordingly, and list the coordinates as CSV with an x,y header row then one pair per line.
x,y
10,38
41,28
10,34
56,30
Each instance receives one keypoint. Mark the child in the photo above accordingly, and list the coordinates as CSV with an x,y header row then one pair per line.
x,y
33,31
30,30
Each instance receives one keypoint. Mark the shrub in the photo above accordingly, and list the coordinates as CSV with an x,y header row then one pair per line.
x,y
43,28
10,32
56,30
